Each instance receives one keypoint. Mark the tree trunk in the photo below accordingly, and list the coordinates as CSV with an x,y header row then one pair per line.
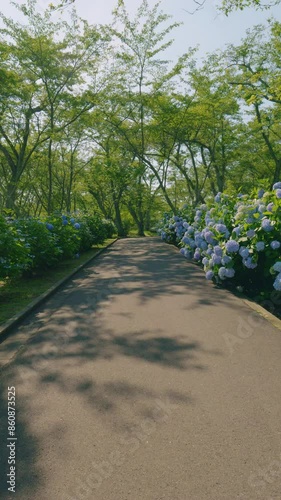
x,y
118,221
138,218
11,194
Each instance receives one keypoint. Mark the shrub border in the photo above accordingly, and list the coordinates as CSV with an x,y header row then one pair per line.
x,y
17,318
251,304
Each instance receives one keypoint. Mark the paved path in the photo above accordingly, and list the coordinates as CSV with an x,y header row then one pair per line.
x,y
143,381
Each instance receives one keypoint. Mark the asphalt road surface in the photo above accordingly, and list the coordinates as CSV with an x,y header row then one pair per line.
x,y
143,381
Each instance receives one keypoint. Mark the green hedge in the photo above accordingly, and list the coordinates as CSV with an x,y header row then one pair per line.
x,y
31,244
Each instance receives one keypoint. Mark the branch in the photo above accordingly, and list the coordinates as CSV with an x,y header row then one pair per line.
x,y
200,6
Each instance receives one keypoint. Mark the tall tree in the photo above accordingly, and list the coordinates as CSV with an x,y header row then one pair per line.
x,y
254,68
139,75
51,60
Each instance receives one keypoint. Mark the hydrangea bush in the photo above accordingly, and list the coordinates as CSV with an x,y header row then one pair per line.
x,y
41,243
236,239
14,251
65,230
30,244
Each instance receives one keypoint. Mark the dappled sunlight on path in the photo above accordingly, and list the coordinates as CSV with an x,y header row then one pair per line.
x,y
129,361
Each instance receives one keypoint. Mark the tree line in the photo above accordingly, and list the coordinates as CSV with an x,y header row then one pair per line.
x,y
96,117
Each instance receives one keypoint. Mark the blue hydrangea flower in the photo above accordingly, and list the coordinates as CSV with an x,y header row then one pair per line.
x,y
49,226
187,254
237,230
232,246
229,273
209,237
277,266
270,207
203,245
197,255
249,220
218,198
198,240
277,185
260,246
205,261
275,245
209,275
185,225
221,273
251,233
260,193
221,228
77,225
266,225
72,220
216,258
249,263
244,252
261,208
278,193
64,222
277,282
185,240
218,250
226,260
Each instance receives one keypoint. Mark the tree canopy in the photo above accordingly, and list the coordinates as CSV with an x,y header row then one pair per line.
x,y
97,117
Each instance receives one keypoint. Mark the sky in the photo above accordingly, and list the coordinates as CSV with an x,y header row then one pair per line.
x,y
206,27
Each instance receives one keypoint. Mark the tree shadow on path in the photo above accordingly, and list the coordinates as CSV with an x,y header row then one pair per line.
x,y
71,351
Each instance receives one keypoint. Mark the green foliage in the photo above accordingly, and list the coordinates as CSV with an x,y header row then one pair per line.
x,y
93,230
97,118
109,228
66,234
42,244
31,245
229,6
235,238
14,253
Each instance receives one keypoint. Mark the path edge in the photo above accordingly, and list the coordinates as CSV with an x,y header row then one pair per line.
x,y
17,318
251,304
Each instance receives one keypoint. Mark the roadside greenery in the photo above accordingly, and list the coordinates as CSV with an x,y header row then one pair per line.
x,y
30,245
236,239
95,118
97,123
19,292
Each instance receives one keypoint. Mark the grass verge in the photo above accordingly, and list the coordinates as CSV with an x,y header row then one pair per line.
x,y
15,295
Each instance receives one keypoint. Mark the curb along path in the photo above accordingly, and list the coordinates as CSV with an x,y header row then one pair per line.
x,y
10,324
142,381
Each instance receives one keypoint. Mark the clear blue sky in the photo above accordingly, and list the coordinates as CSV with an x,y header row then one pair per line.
x,y
205,28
